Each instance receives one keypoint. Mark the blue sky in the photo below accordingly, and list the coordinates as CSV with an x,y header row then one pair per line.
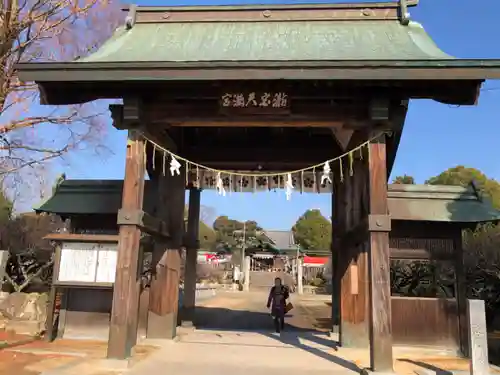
x,y
436,136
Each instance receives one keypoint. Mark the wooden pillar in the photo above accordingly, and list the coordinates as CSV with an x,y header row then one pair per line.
x,y
125,308
164,291
189,297
337,231
379,261
461,292
352,267
50,329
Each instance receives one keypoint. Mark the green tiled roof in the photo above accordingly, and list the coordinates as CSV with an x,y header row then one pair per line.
x,y
349,42
268,41
439,203
281,239
91,197
406,202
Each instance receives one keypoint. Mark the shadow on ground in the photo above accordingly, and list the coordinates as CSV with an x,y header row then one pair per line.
x,y
216,318
297,333
296,341
427,366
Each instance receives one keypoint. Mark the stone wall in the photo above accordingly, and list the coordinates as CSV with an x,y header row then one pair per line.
x,y
23,313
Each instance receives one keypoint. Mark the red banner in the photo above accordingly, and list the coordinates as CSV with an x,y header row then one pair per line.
x,y
315,260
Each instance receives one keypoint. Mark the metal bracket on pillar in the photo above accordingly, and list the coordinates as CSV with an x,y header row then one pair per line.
x,y
379,223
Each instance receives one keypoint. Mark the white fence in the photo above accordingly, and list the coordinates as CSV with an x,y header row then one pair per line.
x,y
311,272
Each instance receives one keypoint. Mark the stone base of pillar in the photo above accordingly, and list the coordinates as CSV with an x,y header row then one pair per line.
x,y
161,327
366,371
187,324
187,317
354,336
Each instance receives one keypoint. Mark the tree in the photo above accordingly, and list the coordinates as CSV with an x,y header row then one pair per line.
x,y
463,176
206,235
313,231
225,229
405,179
482,269
207,214
42,31
30,255
5,209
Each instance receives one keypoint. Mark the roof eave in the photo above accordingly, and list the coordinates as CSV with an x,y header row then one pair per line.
x,y
471,68
49,76
440,70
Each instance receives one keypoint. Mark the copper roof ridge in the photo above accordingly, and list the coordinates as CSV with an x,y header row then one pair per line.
x,y
303,6
366,11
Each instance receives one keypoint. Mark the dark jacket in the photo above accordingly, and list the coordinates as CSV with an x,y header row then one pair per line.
x,y
277,299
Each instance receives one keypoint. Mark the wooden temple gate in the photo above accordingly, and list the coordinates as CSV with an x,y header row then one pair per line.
x,y
262,90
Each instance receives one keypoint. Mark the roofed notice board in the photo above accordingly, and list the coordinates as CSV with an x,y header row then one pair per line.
x,y
83,262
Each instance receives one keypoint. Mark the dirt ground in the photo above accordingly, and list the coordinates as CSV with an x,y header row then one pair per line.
x,y
29,364
24,355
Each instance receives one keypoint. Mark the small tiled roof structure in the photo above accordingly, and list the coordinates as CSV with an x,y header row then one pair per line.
x,y
281,239
439,203
406,202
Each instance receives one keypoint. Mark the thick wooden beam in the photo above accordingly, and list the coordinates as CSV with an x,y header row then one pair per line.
x,y
379,262
125,309
342,136
251,153
76,237
164,291
243,123
257,167
143,220
189,297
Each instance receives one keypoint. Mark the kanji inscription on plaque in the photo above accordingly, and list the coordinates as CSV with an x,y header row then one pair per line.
x,y
262,100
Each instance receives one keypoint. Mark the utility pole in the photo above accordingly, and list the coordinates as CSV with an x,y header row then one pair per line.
x,y
242,261
297,263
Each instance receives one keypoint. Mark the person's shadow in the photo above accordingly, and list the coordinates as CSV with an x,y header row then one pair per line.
x,y
293,337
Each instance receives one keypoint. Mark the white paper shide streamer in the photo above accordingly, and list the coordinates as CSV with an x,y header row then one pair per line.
x,y
345,163
326,173
174,166
288,186
219,185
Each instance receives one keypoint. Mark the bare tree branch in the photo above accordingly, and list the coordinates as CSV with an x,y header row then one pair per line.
x,y
33,136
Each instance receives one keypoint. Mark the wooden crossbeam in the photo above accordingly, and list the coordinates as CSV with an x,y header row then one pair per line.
x,y
143,220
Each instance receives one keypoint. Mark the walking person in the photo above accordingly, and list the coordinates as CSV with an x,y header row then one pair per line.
x,y
277,302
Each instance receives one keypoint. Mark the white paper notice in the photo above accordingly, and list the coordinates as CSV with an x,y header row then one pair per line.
x,y
106,267
78,262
